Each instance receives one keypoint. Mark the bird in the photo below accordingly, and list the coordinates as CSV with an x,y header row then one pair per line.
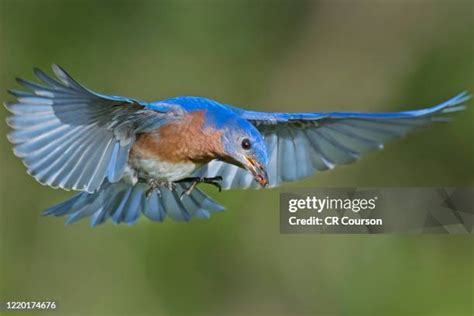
x,y
130,158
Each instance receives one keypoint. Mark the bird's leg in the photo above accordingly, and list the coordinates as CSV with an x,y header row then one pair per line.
x,y
196,180
155,184
188,190
170,185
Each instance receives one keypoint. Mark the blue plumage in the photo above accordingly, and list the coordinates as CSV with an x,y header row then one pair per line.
x,y
306,143
123,203
119,151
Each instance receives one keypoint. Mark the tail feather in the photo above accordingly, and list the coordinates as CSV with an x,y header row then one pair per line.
x,y
123,203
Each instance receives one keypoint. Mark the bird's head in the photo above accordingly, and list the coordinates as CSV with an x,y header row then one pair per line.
x,y
244,147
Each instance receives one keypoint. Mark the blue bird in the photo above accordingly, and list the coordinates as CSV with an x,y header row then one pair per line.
x,y
130,157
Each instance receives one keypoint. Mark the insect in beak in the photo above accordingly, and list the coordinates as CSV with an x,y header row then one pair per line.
x,y
257,169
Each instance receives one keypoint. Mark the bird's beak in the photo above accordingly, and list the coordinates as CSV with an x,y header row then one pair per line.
x,y
257,170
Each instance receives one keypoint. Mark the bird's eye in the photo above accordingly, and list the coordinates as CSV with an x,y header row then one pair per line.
x,y
246,144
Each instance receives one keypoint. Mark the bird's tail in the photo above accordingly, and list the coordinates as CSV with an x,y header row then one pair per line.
x,y
123,203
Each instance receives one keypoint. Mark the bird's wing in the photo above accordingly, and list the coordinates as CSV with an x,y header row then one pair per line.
x,y
73,138
300,144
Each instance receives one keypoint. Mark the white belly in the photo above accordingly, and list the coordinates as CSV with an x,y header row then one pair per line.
x,y
164,171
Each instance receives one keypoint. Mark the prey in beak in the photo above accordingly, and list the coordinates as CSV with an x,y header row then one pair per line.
x,y
257,169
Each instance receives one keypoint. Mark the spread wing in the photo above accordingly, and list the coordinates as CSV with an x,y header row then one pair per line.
x,y
73,138
300,144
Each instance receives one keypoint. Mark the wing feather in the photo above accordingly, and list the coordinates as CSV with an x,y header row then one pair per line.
x,y
73,138
300,144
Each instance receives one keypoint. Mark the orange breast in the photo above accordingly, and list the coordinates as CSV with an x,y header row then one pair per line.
x,y
180,141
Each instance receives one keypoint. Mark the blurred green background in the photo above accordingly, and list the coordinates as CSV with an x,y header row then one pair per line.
x,y
265,55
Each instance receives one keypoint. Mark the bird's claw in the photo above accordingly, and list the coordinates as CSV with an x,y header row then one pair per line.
x,y
215,182
195,181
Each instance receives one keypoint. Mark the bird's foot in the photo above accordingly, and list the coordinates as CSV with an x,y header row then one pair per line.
x,y
155,184
196,180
